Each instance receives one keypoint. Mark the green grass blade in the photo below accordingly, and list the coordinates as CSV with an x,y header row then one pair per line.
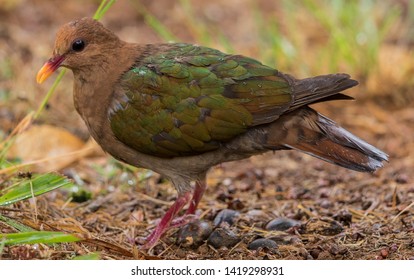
x,y
99,10
49,93
92,256
5,148
37,237
15,224
154,23
37,185
103,8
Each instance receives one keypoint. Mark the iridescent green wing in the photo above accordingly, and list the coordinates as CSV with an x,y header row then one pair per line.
x,y
186,100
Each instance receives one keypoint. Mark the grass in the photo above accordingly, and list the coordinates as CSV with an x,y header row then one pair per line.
x,y
352,32
153,22
39,184
32,186
356,32
35,237
26,188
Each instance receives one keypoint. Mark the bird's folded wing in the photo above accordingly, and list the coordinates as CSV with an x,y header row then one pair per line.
x,y
186,100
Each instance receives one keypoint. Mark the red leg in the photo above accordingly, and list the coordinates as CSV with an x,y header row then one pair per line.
x,y
197,195
189,214
165,222
168,220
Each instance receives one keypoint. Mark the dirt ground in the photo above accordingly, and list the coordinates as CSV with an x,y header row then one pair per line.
x,y
333,213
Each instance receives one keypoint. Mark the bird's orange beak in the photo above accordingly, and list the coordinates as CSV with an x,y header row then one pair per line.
x,y
48,68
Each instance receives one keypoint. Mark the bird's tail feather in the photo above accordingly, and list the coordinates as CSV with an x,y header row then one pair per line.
x,y
320,89
314,134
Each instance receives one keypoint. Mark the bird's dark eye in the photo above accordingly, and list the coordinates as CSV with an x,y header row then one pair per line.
x,y
78,45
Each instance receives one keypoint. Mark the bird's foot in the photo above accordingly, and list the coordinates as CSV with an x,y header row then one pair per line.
x,y
183,220
168,220
165,222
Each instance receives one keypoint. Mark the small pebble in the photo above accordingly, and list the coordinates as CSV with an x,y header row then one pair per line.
x,y
227,216
366,204
376,226
337,249
344,217
282,224
227,182
180,253
282,238
223,237
402,179
256,215
384,253
224,196
235,204
194,233
326,204
262,243
315,253
394,248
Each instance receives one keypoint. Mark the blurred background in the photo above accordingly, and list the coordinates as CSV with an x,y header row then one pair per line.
x,y
370,40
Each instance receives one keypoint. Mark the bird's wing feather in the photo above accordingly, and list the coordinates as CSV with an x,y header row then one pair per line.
x,y
186,100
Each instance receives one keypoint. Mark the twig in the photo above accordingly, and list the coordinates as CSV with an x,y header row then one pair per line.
x,y
402,211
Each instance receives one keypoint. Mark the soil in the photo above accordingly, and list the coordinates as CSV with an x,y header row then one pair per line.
x,y
333,213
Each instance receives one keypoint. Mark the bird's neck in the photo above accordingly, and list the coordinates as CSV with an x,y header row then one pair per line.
x,y
94,86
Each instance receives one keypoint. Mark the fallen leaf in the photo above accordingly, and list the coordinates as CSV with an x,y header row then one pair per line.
x,y
51,148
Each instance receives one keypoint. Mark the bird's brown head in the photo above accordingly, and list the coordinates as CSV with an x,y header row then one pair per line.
x,y
80,43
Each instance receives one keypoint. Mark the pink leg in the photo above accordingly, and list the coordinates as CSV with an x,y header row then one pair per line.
x,y
165,222
189,214
197,195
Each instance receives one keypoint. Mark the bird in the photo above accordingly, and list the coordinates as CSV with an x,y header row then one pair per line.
x,y
179,109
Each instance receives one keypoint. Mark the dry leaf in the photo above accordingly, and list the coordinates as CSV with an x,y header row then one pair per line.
x,y
51,147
